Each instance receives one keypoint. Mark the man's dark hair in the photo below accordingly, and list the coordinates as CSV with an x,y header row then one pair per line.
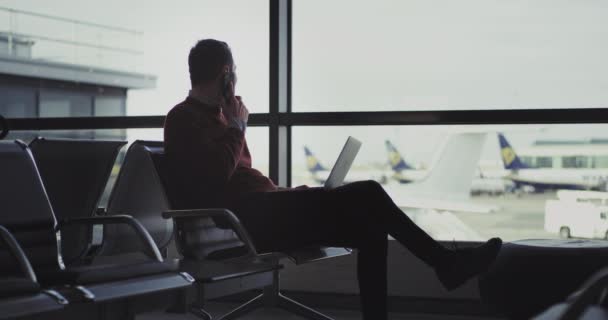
x,y
206,60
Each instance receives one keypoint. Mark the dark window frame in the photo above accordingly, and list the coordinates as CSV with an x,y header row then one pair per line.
x,y
280,119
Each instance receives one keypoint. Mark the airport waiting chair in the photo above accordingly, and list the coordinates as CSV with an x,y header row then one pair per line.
x,y
532,274
29,216
137,192
20,293
589,302
74,173
220,258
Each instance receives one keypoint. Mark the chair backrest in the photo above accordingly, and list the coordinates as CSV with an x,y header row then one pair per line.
x,y
25,209
138,192
198,239
75,173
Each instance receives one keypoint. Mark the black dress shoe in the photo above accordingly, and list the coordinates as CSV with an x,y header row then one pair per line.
x,y
463,264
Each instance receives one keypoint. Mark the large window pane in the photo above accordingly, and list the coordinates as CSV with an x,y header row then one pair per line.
x,y
441,54
17,101
109,106
164,33
57,104
461,182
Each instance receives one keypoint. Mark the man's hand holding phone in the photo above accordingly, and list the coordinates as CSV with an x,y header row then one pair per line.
x,y
235,111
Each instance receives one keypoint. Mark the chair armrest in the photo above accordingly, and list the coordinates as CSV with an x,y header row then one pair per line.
x,y
150,247
15,249
314,254
236,225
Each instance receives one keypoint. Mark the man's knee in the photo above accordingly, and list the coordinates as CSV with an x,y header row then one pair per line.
x,y
373,184
374,190
366,186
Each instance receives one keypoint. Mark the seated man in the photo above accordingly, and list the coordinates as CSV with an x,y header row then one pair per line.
x,y
210,166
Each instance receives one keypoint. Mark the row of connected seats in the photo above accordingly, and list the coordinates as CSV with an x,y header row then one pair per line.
x,y
101,248
32,234
223,261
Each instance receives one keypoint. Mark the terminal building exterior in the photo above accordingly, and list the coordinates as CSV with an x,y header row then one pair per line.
x,y
46,86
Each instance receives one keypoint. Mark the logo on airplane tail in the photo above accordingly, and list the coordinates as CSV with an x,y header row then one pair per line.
x,y
312,163
508,155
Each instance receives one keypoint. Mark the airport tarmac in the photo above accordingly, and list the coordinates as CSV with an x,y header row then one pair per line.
x,y
518,217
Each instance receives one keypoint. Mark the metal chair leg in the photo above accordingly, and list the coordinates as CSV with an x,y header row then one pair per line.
x,y
292,306
200,313
245,308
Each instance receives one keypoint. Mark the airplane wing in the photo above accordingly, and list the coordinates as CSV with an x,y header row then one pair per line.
x,y
447,186
443,205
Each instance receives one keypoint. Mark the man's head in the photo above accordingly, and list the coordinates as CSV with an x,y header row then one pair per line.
x,y
207,60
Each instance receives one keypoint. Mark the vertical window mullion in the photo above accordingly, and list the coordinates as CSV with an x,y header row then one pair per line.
x,y
280,91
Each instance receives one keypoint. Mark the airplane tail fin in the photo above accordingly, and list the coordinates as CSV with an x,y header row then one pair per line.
x,y
312,163
509,158
451,174
395,159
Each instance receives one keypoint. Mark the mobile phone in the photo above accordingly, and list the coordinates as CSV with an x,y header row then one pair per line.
x,y
229,77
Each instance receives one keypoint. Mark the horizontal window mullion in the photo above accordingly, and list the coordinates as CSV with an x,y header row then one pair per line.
x,y
452,117
93,123
462,117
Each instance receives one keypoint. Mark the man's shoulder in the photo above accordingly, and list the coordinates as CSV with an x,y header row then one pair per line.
x,y
189,114
186,111
183,108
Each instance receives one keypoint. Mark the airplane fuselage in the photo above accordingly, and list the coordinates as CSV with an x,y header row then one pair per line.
x,y
576,179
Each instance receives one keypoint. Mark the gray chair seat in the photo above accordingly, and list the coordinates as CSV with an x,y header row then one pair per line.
x,y
211,271
104,273
228,253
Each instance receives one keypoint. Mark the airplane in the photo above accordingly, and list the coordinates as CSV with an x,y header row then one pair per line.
x,y
402,172
446,187
319,172
536,179
314,166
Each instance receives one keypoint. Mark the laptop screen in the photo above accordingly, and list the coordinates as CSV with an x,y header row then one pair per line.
x,y
343,164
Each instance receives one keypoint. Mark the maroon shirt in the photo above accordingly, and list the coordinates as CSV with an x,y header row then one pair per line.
x,y
208,161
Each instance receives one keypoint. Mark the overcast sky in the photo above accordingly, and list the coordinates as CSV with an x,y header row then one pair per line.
x,y
366,55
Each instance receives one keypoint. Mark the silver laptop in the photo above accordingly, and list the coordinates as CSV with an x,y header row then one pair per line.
x,y
343,164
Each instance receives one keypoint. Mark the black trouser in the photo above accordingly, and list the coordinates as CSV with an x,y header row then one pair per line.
x,y
358,215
